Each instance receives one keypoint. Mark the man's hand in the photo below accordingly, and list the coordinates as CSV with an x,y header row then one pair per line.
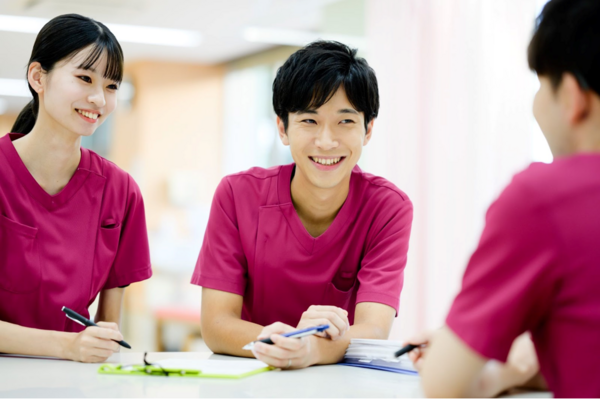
x,y
337,318
94,344
286,353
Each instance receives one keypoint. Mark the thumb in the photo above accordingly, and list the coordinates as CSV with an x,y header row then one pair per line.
x,y
106,324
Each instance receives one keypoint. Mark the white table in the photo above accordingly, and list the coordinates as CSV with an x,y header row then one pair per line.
x,y
34,377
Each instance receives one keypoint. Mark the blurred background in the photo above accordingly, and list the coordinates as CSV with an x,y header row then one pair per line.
x,y
455,123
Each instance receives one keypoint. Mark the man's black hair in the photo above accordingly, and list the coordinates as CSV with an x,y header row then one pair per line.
x,y
313,74
567,39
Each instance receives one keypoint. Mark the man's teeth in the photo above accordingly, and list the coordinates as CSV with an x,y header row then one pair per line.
x,y
330,161
88,114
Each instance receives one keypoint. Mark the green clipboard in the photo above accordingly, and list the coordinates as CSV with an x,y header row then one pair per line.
x,y
157,371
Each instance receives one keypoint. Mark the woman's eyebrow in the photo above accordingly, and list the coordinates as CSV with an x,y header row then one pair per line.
x,y
348,111
92,69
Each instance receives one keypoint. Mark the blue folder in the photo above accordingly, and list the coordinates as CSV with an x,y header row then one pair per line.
x,y
380,364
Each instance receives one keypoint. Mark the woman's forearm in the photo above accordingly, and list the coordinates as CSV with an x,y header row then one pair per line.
x,y
20,340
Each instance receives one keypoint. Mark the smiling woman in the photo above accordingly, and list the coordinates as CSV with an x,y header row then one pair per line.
x,y
72,224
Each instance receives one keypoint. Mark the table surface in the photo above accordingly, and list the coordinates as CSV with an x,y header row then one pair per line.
x,y
37,377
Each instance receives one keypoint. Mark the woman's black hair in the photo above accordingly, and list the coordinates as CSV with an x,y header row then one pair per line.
x,y
312,75
567,39
62,38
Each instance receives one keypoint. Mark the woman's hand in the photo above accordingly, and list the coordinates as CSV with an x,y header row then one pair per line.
x,y
337,318
286,353
94,344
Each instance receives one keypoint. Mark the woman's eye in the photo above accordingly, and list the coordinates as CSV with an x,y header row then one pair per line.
x,y
85,78
113,87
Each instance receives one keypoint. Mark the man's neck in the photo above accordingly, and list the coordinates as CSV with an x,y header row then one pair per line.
x,y
317,207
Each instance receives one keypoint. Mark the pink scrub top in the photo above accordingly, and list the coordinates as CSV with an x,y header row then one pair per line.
x,y
62,250
256,246
537,269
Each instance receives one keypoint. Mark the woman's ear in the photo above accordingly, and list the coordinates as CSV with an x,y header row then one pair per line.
x,y
35,76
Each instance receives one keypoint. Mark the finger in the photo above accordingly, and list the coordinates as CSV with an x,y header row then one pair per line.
x,y
275,328
106,324
421,338
103,344
272,351
104,333
321,308
291,344
275,362
338,325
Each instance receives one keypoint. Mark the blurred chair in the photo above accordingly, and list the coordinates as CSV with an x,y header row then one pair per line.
x,y
188,317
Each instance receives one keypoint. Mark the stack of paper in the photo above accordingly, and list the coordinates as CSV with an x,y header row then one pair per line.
x,y
377,354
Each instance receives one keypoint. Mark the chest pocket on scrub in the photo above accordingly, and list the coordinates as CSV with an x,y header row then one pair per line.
x,y
339,291
20,269
108,241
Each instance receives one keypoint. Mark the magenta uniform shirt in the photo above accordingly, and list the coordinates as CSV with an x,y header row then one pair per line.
x,y
62,250
256,246
537,268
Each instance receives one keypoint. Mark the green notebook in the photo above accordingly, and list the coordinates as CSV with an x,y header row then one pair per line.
x,y
207,368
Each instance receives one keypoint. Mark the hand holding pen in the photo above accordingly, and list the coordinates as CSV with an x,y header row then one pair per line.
x,y
416,347
94,344
283,346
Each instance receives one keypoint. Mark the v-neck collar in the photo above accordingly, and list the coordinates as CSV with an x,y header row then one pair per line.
x,y
311,244
50,202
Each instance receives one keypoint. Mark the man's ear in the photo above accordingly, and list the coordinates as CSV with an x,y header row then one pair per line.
x,y
282,133
35,76
574,100
369,132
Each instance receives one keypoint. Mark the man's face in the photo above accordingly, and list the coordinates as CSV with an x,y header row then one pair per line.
x,y
326,143
551,117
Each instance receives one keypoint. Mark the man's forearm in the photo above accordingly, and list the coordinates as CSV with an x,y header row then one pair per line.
x,y
330,352
227,335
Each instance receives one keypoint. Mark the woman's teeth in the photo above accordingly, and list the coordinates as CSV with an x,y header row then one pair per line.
x,y
323,161
88,114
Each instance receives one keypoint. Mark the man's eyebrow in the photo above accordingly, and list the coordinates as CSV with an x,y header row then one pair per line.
x,y
307,111
348,111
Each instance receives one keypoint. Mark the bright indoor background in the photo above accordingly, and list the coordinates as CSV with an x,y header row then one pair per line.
x,y
455,123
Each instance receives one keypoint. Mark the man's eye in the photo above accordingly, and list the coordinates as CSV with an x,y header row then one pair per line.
x,y
85,78
347,121
309,121
113,87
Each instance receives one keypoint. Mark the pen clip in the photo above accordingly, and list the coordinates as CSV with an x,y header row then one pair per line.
x,y
75,320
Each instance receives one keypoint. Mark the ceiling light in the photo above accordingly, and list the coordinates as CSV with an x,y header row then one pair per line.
x,y
14,88
300,38
124,33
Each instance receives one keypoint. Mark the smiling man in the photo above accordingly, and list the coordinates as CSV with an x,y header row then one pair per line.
x,y
315,242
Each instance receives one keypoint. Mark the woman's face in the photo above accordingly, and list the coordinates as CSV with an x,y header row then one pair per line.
x,y
78,100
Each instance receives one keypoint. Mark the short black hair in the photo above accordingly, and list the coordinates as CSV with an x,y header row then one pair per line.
x,y
312,75
567,39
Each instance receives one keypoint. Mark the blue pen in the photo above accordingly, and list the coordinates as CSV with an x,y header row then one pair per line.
x,y
294,334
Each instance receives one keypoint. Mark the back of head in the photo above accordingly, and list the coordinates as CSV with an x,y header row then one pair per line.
x,y
62,38
313,74
567,39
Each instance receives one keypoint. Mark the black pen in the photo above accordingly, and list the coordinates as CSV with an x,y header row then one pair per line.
x,y
405,349
77,318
